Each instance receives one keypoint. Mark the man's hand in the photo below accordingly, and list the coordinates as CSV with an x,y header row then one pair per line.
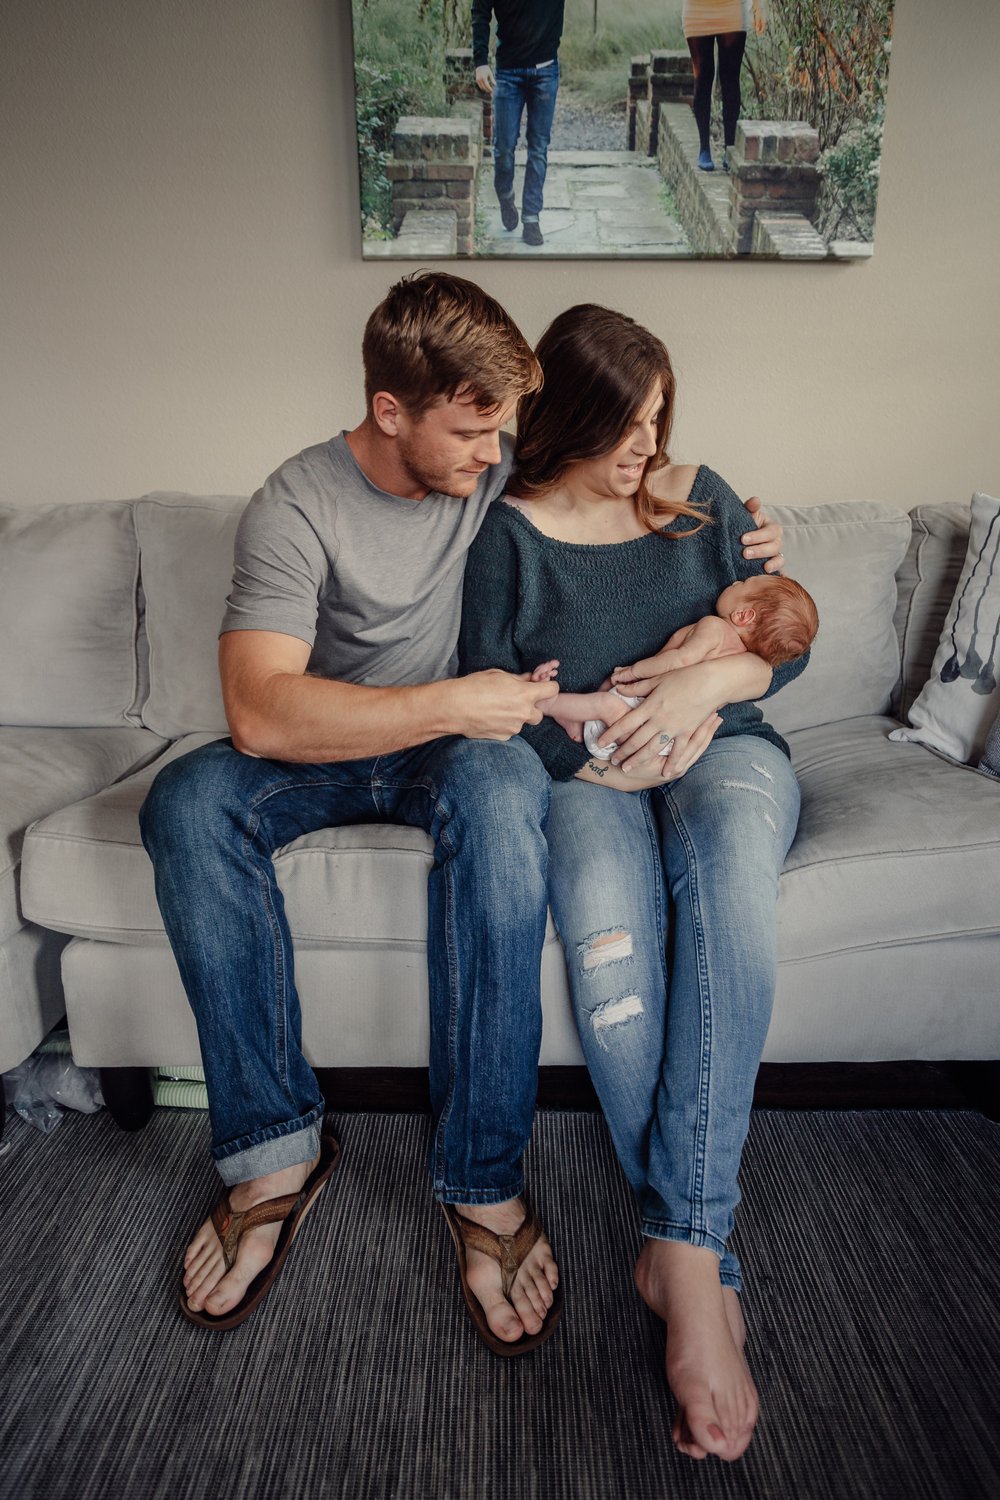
x,y
495,705
766,540
486,82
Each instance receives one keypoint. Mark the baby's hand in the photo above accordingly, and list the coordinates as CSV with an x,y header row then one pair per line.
x,y
641,674
545,672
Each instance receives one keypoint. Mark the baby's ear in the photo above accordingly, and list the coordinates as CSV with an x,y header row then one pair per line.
x,y
744,616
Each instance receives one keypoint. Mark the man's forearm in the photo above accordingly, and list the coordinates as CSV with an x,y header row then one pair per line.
x,y
313,720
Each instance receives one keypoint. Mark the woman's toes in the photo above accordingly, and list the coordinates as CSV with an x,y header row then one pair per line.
x,y
683,1438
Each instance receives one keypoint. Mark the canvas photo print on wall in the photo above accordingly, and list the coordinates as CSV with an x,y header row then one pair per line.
x,y
648,129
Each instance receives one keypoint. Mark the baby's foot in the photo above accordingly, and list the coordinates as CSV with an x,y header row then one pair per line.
x,y
545,672
613,707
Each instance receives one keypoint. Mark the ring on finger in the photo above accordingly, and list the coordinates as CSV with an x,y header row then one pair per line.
x,y
666,744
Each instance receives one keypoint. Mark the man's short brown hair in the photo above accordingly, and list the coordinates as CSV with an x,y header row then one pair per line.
x,y
435,336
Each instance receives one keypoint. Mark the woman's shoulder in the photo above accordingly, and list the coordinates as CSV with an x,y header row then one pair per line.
x,y
701,485
510,516
504,529
675,483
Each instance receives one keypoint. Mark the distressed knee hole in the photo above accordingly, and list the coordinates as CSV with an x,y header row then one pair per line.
x,y
615,1013
602,948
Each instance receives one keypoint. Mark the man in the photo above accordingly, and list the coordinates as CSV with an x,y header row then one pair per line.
x,y
527,78
337,656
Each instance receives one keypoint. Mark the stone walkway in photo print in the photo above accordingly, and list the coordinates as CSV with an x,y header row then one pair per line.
x,y
601,203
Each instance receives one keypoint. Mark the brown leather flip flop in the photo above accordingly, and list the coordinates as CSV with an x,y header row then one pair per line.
x,y
289,1210
511,1250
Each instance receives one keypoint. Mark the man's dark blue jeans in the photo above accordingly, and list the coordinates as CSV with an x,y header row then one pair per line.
x,y
212,821
517,90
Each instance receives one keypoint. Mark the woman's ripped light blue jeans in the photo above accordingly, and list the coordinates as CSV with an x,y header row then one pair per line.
x,y
665,903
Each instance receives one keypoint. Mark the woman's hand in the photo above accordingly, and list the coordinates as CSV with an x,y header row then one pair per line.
x,y
679,706
668,767
766,540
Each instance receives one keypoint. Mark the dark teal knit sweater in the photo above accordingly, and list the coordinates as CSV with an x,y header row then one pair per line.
x,y
529,597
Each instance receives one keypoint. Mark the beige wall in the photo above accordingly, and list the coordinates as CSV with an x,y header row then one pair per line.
x,y
183,295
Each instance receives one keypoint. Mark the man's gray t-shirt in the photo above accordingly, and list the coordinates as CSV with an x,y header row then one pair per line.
x,y
372,582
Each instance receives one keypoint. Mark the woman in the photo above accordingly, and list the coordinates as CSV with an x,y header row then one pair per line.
x,y
664,898
707,24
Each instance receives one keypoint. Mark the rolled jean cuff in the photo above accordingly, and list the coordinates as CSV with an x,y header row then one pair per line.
x,y
275,1147
478,1196
683,1235
729,1274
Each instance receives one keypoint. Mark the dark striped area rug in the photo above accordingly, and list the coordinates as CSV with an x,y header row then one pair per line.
x,y
869,1245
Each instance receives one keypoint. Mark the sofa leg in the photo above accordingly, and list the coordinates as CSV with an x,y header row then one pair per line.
x,y
128,1094
986,1088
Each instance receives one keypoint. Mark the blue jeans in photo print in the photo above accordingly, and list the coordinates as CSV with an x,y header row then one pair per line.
x,y
518,90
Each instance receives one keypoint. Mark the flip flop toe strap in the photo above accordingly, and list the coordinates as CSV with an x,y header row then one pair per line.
x,y
510,1250
231,1226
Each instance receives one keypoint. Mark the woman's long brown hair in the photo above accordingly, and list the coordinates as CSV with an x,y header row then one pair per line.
x,y
599,369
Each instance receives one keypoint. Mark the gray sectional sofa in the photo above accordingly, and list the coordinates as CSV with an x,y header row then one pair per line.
x,y
889,922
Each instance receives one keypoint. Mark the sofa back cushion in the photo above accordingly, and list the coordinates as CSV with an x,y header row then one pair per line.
x,y
68,615
186,546
926,586
846,554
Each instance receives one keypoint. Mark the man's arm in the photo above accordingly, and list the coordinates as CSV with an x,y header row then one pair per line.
x,y
482,14
275,710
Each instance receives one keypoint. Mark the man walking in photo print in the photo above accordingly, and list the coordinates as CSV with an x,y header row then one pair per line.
x,y
527,79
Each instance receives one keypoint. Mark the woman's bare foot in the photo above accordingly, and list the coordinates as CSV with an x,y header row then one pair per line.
x,y
734,1316
208,1285
536,1281
717,1404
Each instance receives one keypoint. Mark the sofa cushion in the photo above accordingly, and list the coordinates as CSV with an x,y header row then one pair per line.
x,y
893,846
186,547
990,760
41,770
68,615
954,710
86,872
925,585
846,554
